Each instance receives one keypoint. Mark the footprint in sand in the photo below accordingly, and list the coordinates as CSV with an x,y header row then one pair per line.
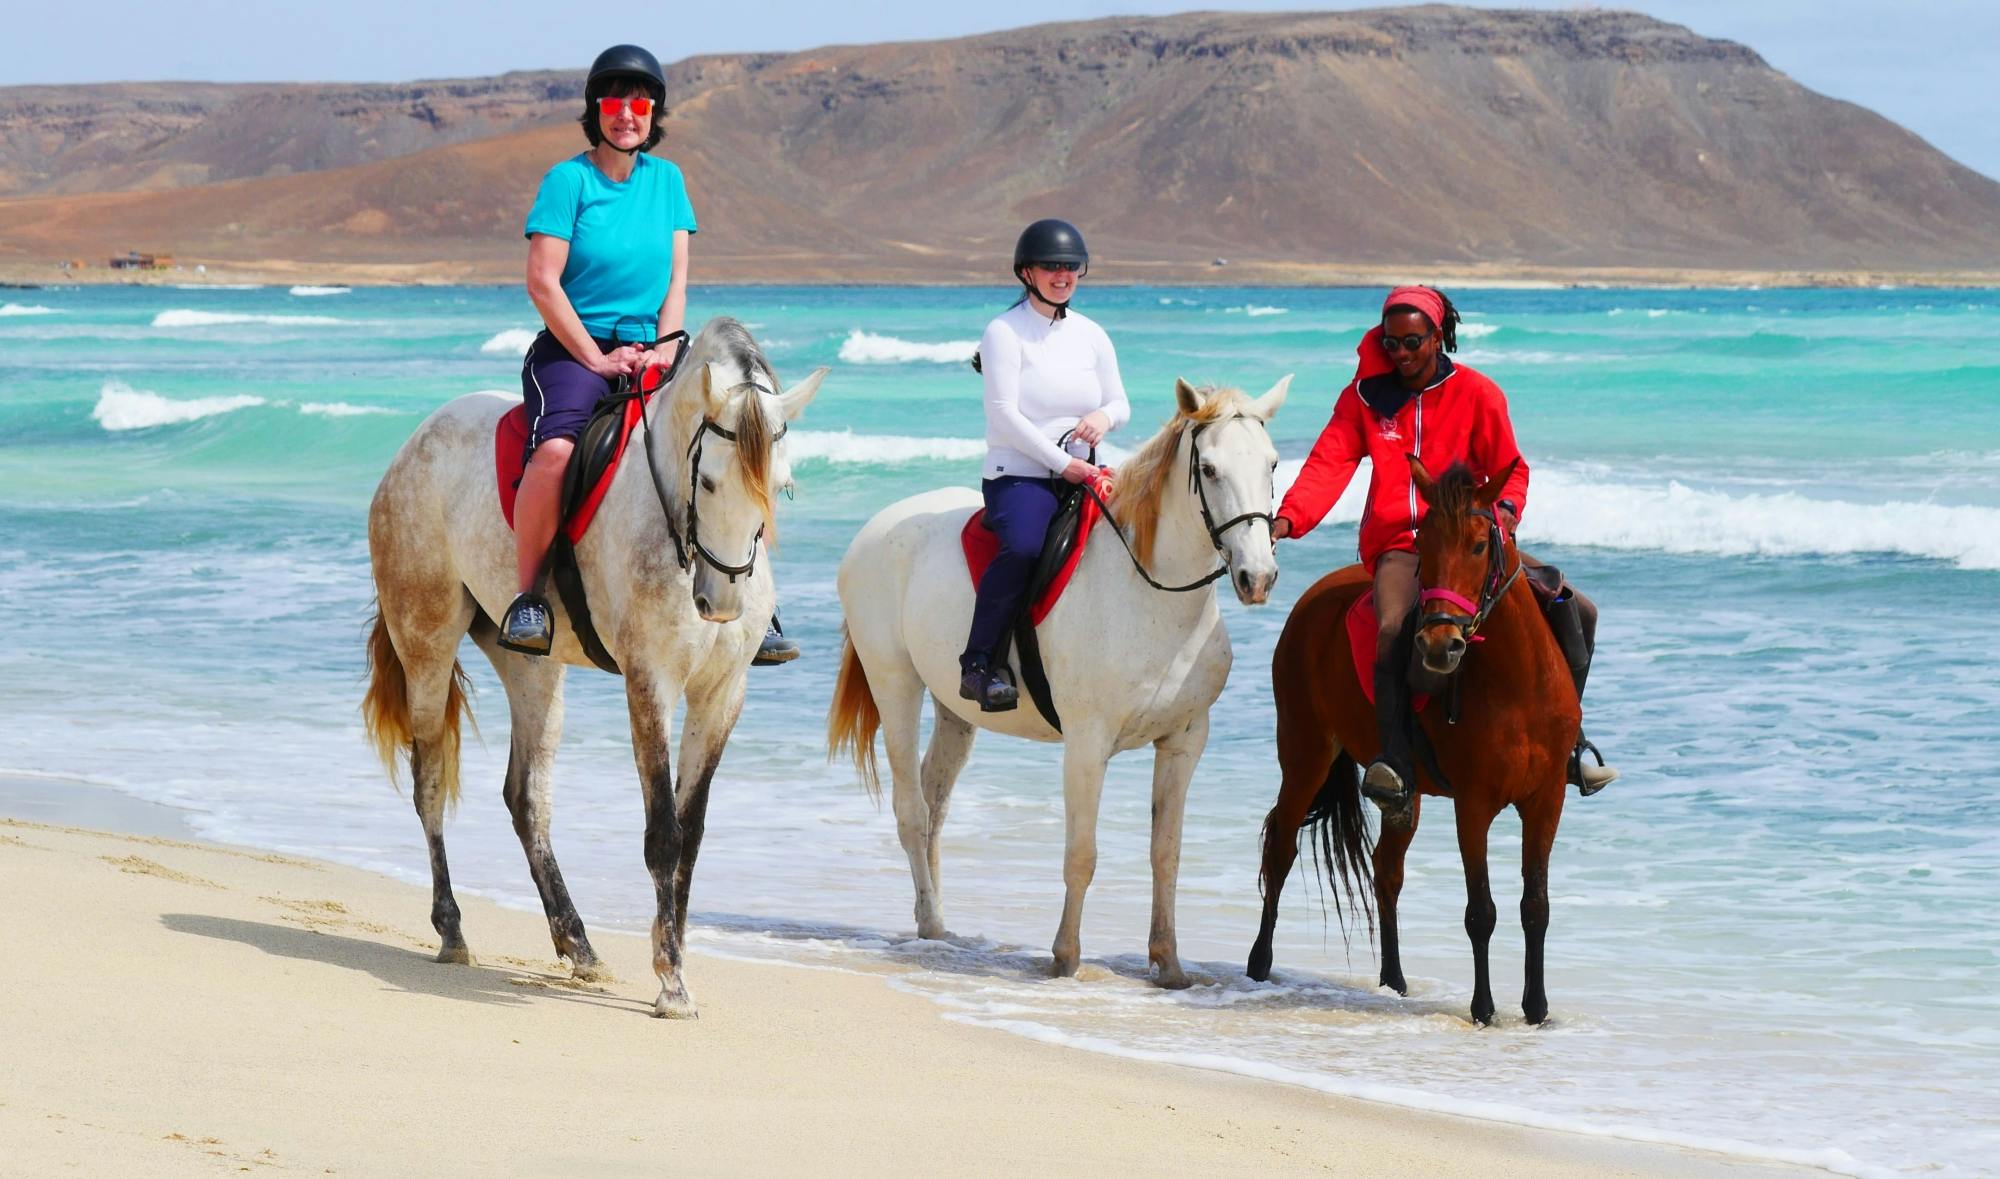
x,y
141,866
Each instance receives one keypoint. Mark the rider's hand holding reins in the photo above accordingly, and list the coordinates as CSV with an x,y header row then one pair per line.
x,y
618,362
1281,529
1079,471
662,356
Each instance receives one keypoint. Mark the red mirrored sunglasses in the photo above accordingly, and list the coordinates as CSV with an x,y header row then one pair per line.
x,y
641,107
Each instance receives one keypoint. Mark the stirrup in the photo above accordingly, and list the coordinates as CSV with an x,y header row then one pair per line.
x,y
990,688
528,626
1588,780
775,649
1383,785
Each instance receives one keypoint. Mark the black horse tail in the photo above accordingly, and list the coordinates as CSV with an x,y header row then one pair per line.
x,y
1336,829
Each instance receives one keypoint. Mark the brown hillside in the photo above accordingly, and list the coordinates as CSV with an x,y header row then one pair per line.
x,y
1431,136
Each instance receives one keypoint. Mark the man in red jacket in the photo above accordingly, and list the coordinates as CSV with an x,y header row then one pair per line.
x,y
1408,397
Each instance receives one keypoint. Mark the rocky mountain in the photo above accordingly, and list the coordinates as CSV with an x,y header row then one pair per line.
x,y
1538,141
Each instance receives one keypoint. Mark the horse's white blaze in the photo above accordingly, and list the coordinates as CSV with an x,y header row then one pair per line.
x,y
1127,665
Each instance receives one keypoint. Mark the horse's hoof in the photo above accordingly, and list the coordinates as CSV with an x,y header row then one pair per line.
x,y
591,971
1172,979
933,931
1397,985
1064,967
1259,967
675,1006
456,954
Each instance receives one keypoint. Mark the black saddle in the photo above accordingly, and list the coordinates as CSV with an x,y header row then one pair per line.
x,y
1065,532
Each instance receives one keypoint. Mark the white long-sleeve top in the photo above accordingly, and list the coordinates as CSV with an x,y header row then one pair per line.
x,y
1042,377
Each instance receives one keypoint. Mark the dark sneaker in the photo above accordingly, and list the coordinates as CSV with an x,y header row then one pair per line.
x,y
528,627
775,649
1589,779
990,689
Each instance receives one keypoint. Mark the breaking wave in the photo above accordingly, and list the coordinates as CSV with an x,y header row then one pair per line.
x,y
868,348
513,341
12,309
121,407
184,317
305,291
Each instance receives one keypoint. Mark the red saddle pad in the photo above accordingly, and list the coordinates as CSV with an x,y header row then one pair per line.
x,y
1361,640
510,442
982,545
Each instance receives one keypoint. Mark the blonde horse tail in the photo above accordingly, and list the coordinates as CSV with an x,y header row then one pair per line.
x,y
853,720
385,709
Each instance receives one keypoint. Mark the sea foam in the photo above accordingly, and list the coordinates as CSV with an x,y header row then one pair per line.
x,y
869,348
842,446
184,317
121,407
513,341
308,291
12,309
340,409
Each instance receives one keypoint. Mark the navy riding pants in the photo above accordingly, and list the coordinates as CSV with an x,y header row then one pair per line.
x,y
1018,510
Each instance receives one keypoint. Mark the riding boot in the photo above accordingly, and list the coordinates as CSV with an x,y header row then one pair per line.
x,y
990,688
775,648
1390,779
1566,620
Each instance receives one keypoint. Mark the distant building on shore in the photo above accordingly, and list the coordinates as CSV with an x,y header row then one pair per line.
x,y
134,260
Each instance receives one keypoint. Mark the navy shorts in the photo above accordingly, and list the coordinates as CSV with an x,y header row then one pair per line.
x,y
559,392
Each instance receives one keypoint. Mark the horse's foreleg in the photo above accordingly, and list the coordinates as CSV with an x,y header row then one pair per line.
x,y
1539,817
705,730
650,700
1084,757
1389,853
434,774
1305,755
1174,759
534,692
951,744
1480,916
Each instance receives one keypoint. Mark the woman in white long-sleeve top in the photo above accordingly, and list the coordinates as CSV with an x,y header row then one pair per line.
x,y
1049,372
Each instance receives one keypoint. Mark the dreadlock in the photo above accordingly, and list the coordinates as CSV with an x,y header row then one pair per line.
x,y
1448,329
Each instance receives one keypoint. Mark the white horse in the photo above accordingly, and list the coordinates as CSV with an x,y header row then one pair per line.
x,y
1128,664
692,500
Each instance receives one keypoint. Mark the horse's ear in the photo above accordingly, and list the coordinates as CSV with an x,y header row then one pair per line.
x,y
713,397
1491,489
1186,397
1421,477
1268,404
795,399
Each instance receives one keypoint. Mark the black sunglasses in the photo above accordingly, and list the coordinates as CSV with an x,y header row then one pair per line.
x,y
1410,342
1057,265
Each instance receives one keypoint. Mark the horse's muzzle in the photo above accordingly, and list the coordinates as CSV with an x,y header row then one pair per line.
x,y
1441,658
1254,589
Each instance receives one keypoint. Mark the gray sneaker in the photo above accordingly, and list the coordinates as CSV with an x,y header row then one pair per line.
x,y
528,627
1587,778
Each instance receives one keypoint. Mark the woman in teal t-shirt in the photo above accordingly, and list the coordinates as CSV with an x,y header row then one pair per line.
x,y
607,269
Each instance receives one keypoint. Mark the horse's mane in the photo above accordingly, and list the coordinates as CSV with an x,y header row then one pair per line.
x,y
725,339
1451,493
1142,481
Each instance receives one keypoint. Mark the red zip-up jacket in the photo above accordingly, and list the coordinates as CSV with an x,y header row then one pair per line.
x,y
1461,417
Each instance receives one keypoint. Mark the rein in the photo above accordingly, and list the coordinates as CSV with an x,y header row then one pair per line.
x,y
688,549
1215,530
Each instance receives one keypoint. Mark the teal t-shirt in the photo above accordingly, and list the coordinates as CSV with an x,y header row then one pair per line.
x,y
621,238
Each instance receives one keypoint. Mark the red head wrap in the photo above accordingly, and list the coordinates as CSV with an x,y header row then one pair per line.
x,y
1423,299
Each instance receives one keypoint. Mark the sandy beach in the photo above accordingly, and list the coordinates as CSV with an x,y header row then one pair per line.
x,y
186,1008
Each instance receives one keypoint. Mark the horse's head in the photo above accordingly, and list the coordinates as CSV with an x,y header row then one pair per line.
x,y
1462,555
1217,437
729,418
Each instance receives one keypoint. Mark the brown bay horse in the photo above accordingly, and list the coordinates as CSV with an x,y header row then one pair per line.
x,y
1517,716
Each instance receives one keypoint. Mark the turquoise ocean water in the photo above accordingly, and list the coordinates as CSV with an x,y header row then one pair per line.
x,y
1778,934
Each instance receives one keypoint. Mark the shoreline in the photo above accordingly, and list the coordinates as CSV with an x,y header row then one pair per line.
x,y
239,971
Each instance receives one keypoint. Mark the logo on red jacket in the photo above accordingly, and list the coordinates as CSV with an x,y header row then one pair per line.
x,y
1388,428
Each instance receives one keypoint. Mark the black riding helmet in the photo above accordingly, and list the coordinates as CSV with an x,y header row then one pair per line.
x,y
1050,240
624,63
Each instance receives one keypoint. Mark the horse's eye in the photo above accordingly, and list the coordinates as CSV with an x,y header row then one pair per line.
x,y
707,484
1208,470
1479,550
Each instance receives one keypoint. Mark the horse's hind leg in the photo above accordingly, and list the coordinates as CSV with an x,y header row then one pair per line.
x,y
899,698
1539,817
1174,759
1389,852
534,695
1305,756
951,744
430,667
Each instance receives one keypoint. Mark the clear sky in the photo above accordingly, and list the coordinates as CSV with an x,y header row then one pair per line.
x,y
1934,67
